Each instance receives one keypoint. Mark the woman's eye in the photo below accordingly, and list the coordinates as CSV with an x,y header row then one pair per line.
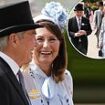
x,y
39,39
52,39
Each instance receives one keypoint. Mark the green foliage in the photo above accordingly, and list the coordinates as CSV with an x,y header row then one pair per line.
x,y
92,1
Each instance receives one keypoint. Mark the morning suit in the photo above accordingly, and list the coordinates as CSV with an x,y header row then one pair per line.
x,y
81,42
98,15
102,37
10,89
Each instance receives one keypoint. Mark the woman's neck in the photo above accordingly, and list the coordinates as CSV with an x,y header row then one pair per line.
x,y
46,68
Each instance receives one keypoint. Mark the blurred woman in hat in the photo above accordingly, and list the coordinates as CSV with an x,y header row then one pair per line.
x,y
46,78
79,28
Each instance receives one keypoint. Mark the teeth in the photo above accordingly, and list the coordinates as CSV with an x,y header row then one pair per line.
x,y
46,52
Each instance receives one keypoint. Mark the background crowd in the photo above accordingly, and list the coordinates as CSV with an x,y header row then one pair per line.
x,y
94,12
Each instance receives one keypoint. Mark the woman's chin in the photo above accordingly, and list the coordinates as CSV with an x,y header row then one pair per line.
x,y
45,61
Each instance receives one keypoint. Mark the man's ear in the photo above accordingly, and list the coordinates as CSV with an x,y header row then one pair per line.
x,y
13,39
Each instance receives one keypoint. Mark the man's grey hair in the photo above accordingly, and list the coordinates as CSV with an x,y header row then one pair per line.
x,y
4,40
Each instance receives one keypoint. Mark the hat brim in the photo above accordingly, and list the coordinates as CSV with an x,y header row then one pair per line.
x,y
18,28
78,10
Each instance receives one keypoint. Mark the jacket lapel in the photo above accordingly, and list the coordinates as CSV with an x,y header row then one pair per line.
x,y
13,79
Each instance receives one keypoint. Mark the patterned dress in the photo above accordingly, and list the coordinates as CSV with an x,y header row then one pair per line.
x,y
43,90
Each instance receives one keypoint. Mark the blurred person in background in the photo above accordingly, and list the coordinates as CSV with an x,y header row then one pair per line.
x,y
87,9
102,37
97,20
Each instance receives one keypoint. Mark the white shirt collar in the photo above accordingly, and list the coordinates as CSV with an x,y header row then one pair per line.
x,y
13,65
78,18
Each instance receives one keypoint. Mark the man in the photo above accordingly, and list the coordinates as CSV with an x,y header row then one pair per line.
x,y
98,15
17,31
78,28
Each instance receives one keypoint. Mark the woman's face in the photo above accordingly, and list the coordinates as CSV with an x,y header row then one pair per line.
x,y
47,46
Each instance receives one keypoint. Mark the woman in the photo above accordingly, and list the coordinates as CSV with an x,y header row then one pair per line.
x,y
46,78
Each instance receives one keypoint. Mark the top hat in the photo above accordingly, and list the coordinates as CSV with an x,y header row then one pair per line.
x,y
16,18
79,7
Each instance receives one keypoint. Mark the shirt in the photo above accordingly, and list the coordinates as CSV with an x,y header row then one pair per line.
x,y
13,65
79,22
43,90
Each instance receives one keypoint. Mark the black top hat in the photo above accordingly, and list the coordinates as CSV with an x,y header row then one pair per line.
x,y
79,7
16,18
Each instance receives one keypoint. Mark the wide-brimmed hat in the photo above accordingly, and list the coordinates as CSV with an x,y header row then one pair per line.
x,y
16,18
79,7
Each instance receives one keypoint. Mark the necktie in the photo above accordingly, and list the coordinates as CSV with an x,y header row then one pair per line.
x,y
79,23
21,81
79,26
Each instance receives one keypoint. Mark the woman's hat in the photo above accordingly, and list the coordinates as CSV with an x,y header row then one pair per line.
x,y
16,18
43,17
79,7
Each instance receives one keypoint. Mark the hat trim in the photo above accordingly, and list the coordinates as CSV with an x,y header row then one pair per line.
x,y
18,28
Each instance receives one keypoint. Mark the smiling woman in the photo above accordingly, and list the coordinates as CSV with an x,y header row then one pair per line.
x,y
47,47
47,72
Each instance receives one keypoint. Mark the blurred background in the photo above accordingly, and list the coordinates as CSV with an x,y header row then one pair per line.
x,y
37,5
88,74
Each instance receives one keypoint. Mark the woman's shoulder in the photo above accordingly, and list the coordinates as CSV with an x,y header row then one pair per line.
x,y
68,82
68,78
67,74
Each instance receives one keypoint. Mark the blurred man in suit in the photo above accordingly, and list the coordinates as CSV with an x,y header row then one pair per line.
x,y
79,28
98,15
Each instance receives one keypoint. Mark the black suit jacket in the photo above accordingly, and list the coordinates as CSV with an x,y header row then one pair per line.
x,y
10,90
73,28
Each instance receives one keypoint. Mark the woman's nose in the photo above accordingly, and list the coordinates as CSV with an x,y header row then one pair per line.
x,y
45,43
